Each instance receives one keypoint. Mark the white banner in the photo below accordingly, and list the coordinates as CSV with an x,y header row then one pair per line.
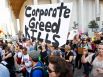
x,y
48,22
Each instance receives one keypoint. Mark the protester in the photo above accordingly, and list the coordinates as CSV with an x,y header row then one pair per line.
x,y
29,46
4,72
68,54
58,67
36,63
43,54
19,54
97,63
55,50
33,56
8,57
26,63
86,65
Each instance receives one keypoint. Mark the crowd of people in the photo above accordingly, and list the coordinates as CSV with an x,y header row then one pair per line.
x,y
32,58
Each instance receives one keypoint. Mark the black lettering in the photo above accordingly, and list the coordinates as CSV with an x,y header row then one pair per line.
x,y
61,9
31,22
32,30
46,39
66,13
26,32
55,26
33,12
50,11
33,38
26,11
39,34
37,11
46,12
41,25
37,23
41,13
54,38
48,27
54,13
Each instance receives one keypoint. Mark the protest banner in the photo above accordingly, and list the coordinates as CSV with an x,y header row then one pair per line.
x,y
48,22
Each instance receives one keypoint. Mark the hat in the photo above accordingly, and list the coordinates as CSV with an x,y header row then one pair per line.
x,y
34,55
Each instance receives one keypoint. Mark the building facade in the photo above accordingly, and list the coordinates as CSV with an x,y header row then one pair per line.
x,y
83,12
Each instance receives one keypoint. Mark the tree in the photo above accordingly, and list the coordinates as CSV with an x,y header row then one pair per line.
x,y
93,25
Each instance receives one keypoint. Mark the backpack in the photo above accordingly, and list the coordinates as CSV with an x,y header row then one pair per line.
x,y
43,68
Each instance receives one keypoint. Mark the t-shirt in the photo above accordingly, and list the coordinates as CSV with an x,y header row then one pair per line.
x,y
27,62
25,58
68,54
37,73
19,54
96,64
4,72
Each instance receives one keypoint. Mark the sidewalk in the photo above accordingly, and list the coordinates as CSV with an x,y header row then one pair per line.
x,y
78,72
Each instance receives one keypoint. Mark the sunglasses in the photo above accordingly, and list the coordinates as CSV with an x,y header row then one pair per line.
x,y
50,71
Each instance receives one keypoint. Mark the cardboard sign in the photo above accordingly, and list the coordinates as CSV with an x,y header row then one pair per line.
x,y
48,22
73,33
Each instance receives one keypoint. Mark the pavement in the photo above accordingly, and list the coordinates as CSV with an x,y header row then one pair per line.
x,y
78,72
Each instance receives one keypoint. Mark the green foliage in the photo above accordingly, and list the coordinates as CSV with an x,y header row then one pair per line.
x,y
93,25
